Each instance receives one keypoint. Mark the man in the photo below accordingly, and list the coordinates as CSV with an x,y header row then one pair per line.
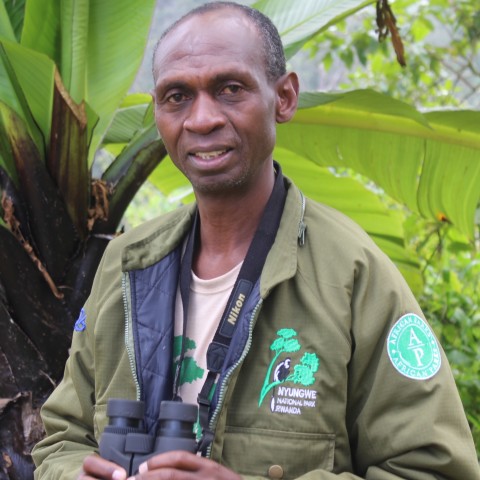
x,y
326,369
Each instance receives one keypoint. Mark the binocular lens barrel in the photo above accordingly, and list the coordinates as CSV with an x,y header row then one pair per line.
x,y
125,442
125,413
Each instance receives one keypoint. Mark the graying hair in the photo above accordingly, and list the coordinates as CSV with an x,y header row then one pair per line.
x,y
274,55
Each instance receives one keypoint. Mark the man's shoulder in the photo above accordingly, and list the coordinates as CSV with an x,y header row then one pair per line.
x,y
327,229
329,223
338,246
156,235
334,235
157,225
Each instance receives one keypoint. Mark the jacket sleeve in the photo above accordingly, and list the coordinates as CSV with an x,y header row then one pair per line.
x,y
399,428
68,414
98,368
404,413
68,418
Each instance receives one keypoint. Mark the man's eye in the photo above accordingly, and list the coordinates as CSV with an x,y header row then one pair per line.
x,y
176,98
231,89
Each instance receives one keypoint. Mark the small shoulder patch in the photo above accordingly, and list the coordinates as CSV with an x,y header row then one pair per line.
x,y
80,324
413,348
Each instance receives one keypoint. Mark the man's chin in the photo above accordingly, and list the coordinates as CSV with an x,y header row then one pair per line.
x,y
219,186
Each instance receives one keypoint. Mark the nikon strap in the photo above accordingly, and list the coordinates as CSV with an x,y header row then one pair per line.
x,y
247,277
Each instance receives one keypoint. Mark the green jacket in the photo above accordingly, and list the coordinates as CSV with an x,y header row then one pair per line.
x,y
334,373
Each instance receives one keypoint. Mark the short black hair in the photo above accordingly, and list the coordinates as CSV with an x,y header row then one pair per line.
x,y
274,55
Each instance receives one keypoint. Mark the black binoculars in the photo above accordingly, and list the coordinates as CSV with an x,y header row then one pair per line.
x,y
125,442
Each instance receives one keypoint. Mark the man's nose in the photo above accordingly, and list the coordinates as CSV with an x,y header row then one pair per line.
x,y
204,115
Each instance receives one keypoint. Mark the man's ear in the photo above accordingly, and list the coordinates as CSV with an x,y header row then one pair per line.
x,y
287,87
152,94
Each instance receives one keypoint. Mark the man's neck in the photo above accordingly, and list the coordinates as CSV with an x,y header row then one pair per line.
x,y
227,228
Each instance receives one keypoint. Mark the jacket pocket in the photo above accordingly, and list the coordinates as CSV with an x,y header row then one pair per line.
x,y
277,453
100,420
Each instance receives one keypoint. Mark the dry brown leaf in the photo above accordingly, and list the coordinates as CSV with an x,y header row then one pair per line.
x,y
14,226
100,193
387,23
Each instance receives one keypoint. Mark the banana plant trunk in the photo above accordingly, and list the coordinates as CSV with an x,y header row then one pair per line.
x,y
36,330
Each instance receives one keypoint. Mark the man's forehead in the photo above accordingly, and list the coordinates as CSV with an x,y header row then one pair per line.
x,y
204,72
224,26
209,35
217,17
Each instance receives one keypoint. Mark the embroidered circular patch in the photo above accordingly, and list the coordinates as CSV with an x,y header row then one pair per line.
x,y
413,348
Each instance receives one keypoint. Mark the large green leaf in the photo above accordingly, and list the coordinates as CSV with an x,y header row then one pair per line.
x,y
113,56
6,28
128,119
449,187
168,179
429,162
16,12
96,56
63,36
26,84
344,194
43,36
297,22
35,74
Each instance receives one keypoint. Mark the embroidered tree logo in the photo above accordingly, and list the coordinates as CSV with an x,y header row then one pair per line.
x,y
303,372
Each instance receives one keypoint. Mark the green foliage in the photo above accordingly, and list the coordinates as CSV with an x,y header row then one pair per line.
x,y
146,204
450,301
441,39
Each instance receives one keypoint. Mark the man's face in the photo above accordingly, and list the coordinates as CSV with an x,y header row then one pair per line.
x,y
214,106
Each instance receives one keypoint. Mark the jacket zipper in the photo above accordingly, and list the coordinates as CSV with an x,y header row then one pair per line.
x,y
129,342
302,227
221,394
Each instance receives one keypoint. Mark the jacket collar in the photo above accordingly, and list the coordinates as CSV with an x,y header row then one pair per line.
x,y
156,239
281,263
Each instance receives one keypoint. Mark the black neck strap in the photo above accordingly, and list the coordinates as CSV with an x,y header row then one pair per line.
x,y
247,277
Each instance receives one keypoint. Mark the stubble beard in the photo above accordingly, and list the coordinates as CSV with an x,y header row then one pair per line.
x,y
229,185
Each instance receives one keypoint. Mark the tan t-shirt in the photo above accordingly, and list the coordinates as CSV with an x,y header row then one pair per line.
x,y
208,299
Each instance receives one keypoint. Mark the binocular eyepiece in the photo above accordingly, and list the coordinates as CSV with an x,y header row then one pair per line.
x,y
125,442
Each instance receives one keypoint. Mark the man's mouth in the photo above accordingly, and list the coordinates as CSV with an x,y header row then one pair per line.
x,y
210,155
